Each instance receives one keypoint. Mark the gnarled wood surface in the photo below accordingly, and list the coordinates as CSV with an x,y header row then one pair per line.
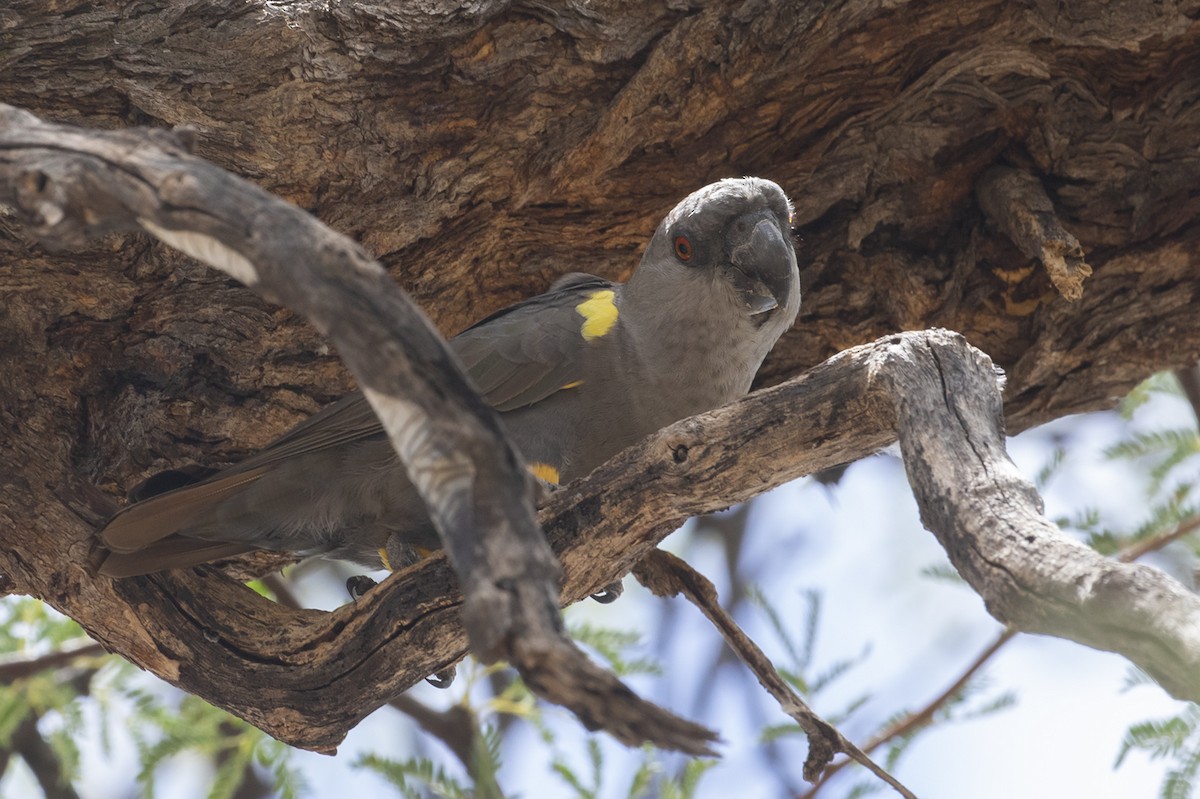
x,y
482,151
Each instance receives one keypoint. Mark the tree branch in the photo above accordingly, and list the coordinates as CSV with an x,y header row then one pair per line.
x,y
307,677
989,520
911,722
1189,381
1154,543
70,185
28,742
1016,202
18,666
666,575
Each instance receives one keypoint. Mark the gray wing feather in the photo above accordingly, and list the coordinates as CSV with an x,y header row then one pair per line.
x,y
515,357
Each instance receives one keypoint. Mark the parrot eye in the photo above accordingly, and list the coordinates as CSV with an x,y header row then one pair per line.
x,y
683,248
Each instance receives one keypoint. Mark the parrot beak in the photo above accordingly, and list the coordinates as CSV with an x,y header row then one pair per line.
x,y
761,261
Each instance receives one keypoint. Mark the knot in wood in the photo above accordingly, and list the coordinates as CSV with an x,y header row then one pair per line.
x,y
679,453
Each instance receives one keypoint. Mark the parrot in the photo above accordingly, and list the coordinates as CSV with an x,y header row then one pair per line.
x,y
576,374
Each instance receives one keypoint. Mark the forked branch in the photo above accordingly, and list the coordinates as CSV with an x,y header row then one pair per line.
x,y
666,575
307,677
70,185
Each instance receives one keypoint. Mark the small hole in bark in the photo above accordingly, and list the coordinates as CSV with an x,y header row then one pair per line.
x,y
680,453
1029,539
41,182
894,340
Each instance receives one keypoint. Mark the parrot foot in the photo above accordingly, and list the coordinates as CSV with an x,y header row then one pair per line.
x,y
442,679
610,593
358,585
545,489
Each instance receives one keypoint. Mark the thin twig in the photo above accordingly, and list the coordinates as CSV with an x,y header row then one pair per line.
x,y
282,589
911,722
914,721
1155,543
457,729
27,741
666,575
1189,380
16,667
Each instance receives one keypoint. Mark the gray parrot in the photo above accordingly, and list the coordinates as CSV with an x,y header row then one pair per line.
x,y
577,374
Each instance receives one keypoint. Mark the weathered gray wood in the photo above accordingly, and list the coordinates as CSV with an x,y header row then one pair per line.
x,y
480,150
942,397
68,185
667,575
989,519
1017,203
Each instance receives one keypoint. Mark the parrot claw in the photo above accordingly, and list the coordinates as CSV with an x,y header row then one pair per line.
x,y
545,490
610,593
442,679
358,585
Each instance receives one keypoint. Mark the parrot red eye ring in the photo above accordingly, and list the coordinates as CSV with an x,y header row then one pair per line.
x,y
683,248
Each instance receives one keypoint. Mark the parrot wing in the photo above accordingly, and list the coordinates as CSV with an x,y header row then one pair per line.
x,y
515,357
526,352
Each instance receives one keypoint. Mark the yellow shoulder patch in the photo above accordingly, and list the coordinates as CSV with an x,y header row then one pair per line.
x,y
545,471
387,564
599,313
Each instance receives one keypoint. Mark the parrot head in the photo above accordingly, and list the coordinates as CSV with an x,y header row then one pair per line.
x,y
734,233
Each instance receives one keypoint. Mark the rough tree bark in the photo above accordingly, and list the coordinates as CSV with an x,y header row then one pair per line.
x,y
481,152
69,185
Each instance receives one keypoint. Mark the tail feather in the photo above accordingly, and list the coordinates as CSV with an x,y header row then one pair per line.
x,y
139,526
175,552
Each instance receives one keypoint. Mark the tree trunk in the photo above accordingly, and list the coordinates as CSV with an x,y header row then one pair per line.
x,y
968,165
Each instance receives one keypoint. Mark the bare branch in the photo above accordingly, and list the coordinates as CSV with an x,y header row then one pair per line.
x,y
457,728
1018,204
454,726
18,666
28,742
911,722
282,590
1142,548
70,185
293,672
667,575
1189,381
989,520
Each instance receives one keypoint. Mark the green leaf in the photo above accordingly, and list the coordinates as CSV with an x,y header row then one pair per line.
x,y
643,779
943,571
14,707
1160,383
402,774
773,732
693,772
611,645
1051,468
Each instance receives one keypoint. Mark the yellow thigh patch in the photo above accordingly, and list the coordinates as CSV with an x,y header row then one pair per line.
x,y
545,471
422,553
